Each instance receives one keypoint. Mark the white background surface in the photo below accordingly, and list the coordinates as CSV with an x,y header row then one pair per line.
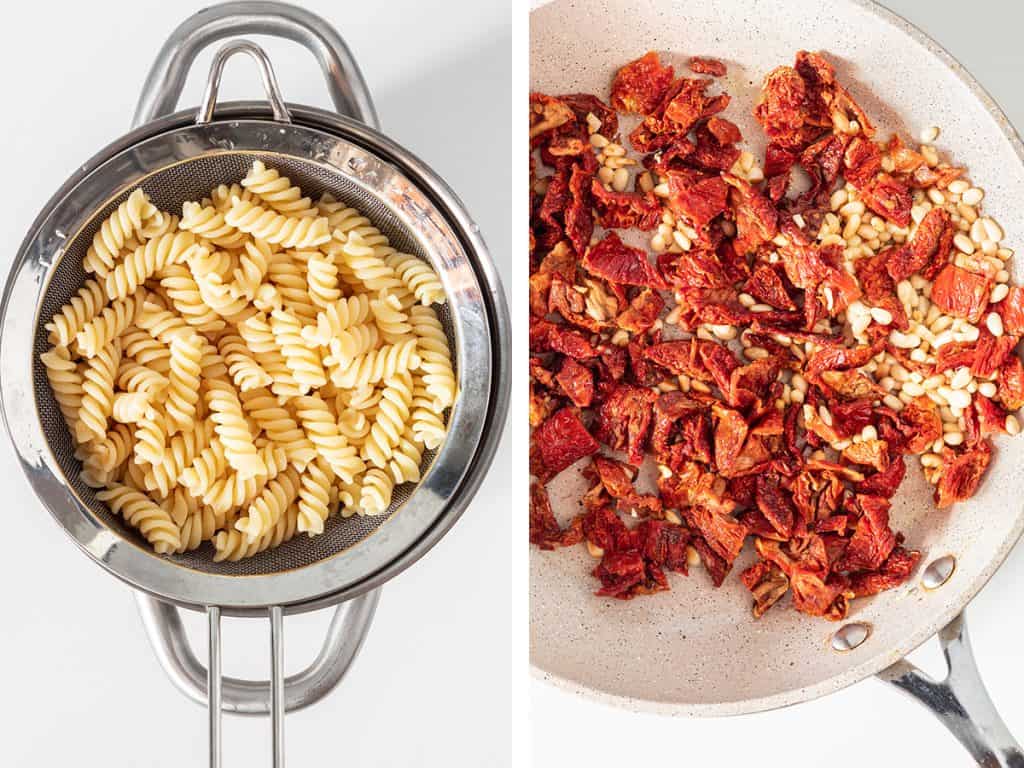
x,y
870,723
442,679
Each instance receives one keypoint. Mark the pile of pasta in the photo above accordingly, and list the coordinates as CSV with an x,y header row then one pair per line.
x,y
241,372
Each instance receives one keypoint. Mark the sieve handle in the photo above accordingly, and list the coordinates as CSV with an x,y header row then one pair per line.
x,y
167,76
345,636
960,701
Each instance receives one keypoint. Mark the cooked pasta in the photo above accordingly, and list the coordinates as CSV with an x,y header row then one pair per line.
x,y
378,364
240,373
277,191
183,388
233,430
277,228
126,220
436,358
322,277
418,276
315,496
98,380
389,424
141,512
110,323
146,260
81,308
208,223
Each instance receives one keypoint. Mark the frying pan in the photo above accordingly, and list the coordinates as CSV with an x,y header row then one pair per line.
x,y
696,650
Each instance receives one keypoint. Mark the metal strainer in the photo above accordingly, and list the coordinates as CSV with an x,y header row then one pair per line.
x,y
181,156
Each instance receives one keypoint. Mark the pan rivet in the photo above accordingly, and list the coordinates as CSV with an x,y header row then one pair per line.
x,y
849,636
938,572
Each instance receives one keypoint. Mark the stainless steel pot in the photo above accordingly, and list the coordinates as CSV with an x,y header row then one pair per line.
x,y
177,156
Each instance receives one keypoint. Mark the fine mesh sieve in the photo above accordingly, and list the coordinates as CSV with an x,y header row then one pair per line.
x,y
180,156
168,188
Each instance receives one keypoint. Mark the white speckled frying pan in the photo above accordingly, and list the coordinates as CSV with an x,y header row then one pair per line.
x,y
697,650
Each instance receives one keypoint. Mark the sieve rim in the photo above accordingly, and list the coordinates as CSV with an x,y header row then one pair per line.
x,y
29,277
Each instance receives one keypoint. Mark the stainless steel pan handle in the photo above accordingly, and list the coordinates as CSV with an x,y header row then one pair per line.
x,y
166,77
162,621
960,701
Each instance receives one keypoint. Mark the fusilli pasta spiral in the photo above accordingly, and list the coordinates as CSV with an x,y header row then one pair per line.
x,y
277,191
122,224
141,512
277,228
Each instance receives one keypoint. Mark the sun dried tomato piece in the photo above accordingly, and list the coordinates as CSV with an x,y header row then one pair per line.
x,y
571,343
559,442
1011,384
664,545
921,423
835,358
782,111
767,583
862,161
706,66
547,113
711,154
642,312
583,104
679,357
775,504
718,361
890,198
579,222
625,210
778,160
624,575
570,304
961,293
1011,311
577,382
545,531
757,221
613,260
991,418
697,196
894,571
624,420
641,85
928,251
730,436
872,540
990,353
542,404
767,287
723,533
941,176
686,103
961,474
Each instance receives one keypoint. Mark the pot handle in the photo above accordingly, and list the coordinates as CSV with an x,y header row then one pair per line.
x,y
167,76
960,701
207,686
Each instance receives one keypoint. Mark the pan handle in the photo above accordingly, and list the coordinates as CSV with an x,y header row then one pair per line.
x,y
960,701
166,77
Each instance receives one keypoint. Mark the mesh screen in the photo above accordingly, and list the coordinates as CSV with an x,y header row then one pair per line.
x,y
168,189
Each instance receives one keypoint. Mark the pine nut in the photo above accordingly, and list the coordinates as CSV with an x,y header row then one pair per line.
x,y
958,186
913,389
682,240
661,190
972,196
953,438
598,141
905,340
893,402
967,212
963,243
881,316
994,323
838,199
992,229
1012,425
620,179
957,398
615,150
961,378
605,175
936,196
929,134
931,460
987,389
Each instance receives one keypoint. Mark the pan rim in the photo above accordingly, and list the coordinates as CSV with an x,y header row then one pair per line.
x,y
881,660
